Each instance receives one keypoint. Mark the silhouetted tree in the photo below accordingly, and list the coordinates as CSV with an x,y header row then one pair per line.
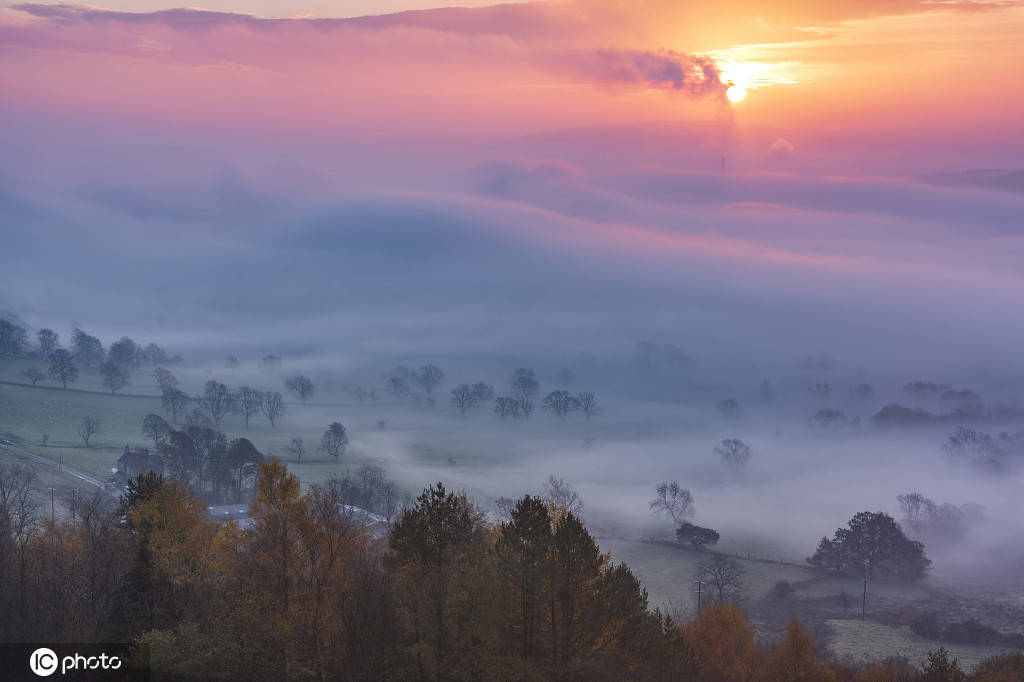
x,y
562,494
873,542
272,407
88,351
588,404
301,386
697,536
334,440
561,403
156,429
733,452
62,367
33,375
13,339
297,448
506,407
248,401
525,386
115,376
218,401
164,379
673,500
88,428
49,341
722,577
428,378
174,401
124,352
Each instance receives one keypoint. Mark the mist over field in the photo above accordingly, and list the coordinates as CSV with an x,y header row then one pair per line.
x,y
775,227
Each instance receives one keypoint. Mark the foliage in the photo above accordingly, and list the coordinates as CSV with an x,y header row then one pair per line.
x,y
696,535
872,542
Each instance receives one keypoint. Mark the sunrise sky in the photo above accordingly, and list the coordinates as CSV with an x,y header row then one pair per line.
x,y
737,159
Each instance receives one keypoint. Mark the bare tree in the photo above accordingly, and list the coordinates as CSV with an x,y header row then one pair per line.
x,y
231,362
588,404
525,386
463,398
218,401
722,576
272,407
506,407
248,402
734,452
297,448
174,401
504,506
917,509
673,500
428,378
164,379
156,429
34,375
482,393
334,440
89,427
62,367
559,491
115,376
301,386
48,342
561,403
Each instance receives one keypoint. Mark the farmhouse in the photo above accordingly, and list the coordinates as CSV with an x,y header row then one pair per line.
x,y
134,463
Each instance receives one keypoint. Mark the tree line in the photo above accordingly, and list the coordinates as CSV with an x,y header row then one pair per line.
x,y
306,592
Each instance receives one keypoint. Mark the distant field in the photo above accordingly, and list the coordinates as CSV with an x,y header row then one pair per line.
x,y
867,641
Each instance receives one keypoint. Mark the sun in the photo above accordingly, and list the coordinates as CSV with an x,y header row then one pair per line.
x,y
736,93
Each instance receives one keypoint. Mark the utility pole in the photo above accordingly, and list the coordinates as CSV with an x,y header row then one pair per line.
x,y
53,514
864,599
700,586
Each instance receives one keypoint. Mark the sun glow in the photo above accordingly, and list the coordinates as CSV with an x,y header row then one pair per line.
x,y
742,77
736,93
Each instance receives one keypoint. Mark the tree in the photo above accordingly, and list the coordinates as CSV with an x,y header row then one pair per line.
x,y
525,386
334,440
270,363
115,376
156,429
561,403
217,399
794,658
248,401
872,542
88,350
733,452
272,407
523,546
917,509
723,644
463,398
49,341
34,375
428,378
301,386
673,500
729,408
563,495
588,404
482,393
231,362
153,354
722,577
164,379
297,448
13,339
697,536
62,367
174,401
506,407
124,352
89,427
940,668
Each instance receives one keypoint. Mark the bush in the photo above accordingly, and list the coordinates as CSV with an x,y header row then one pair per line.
x,y
783,589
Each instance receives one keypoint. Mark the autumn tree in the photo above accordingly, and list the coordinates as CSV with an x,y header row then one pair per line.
x,y
794,659
62,367
723,644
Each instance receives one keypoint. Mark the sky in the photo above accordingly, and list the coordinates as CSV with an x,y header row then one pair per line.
x,y
758,178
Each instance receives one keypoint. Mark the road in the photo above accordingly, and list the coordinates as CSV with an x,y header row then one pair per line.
x,y
64,468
